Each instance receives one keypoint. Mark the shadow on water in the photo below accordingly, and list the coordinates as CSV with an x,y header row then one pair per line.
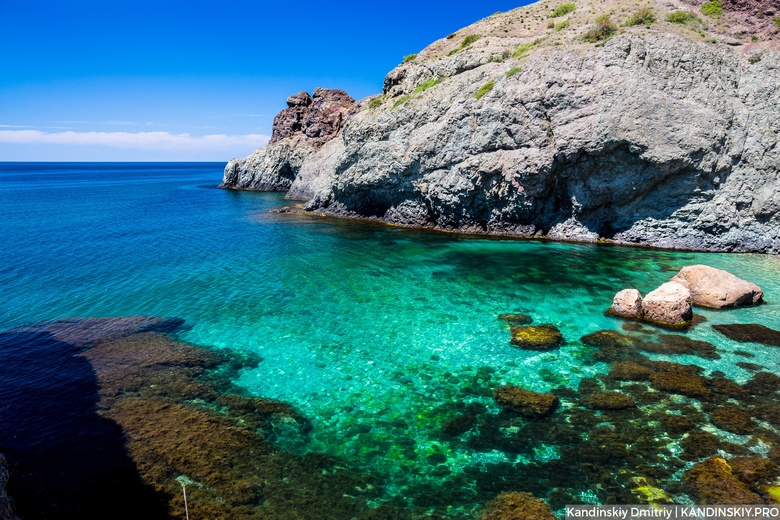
x,y
66,460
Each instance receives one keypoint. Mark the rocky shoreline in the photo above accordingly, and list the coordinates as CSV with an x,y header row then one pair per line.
x,y
656,136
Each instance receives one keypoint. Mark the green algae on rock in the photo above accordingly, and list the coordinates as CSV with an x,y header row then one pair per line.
x,y
536,337
750,333
608,401
713,482
525,402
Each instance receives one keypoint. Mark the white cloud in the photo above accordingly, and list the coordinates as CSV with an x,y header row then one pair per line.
x,y
163,141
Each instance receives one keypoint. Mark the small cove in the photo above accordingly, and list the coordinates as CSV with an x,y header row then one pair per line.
x,y
377,335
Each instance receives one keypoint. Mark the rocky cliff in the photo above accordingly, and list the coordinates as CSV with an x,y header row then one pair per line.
x,y
652,124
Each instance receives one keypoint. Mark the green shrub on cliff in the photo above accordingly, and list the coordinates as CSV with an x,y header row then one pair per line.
x,y
777,22
522,49
425,85
603,30
644,16
401,100
484,89
409,58
713,8
468,40
680,17
562,10
376,103
511,72
561,26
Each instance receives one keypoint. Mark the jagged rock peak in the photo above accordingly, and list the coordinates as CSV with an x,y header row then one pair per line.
x,y
319,117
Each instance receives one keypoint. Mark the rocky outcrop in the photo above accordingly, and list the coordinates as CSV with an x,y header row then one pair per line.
x,y
670,304
717,288
299,130
525,402
627,304
655,137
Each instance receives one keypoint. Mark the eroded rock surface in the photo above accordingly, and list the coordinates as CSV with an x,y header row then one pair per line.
x,y
655,137
716,288
628,304
670,304
299,130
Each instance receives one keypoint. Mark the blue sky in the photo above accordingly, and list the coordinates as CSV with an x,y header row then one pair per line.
x,y
168,80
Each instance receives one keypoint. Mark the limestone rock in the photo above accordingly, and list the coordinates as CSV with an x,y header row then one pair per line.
x,y
716,288
624,142
670,304
299,131
628,304
525,402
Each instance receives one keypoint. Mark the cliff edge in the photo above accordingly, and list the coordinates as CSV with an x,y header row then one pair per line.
x,y
653,124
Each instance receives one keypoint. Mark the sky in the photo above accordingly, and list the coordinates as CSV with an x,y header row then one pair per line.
x,y
169,80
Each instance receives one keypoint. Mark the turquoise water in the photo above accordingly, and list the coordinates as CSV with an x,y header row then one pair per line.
x,y
375,333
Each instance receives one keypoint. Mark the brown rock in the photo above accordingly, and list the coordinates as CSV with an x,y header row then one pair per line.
x,y
713,482
716,288
732,419
684,383
750,333
628,304
629,371
670,304
516,506
609,401
536,337
754,470
525,402
318,118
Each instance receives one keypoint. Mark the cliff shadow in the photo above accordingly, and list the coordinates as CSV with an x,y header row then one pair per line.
x,y
66,460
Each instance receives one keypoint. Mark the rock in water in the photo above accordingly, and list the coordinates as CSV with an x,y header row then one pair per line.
x,y
670,304
536,337
300,130
514,505
713,482
525,402
717,288
750,333
628,304
567,139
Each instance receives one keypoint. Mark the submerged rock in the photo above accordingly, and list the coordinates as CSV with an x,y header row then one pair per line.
x,y
713,482
716,288
515,505
525,402
750,333
627,304
732,419
516,318
680,382
609,401
670,304
536,337
629,371
674,344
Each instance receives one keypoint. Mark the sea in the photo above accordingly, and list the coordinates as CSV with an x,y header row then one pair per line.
x,y
370,331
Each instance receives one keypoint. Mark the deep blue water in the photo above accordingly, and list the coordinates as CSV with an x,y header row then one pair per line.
x,y
358,324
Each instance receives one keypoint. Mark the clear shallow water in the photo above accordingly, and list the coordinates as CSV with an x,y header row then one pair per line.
x,y
370,331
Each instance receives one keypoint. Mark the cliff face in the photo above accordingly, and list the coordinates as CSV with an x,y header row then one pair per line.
x,y
298,131
656,136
